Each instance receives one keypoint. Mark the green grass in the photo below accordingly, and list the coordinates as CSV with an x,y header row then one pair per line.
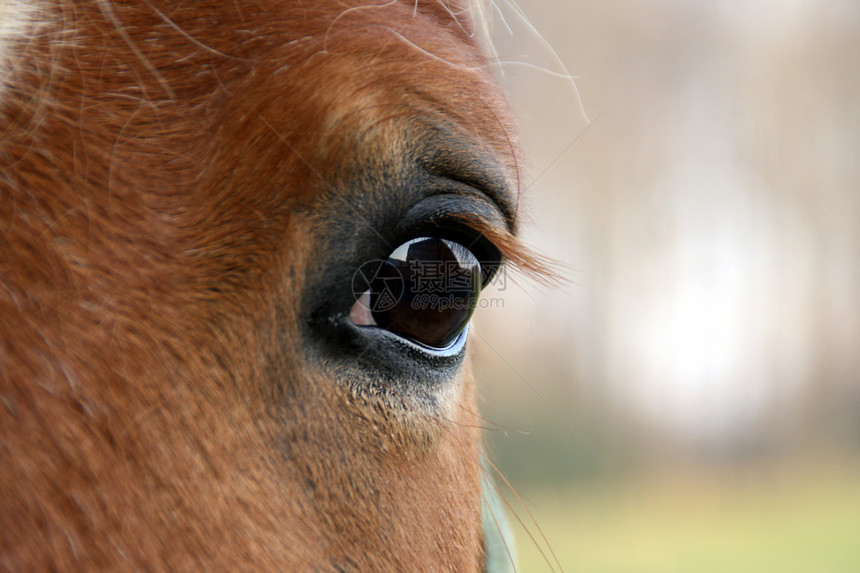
x,y
800,520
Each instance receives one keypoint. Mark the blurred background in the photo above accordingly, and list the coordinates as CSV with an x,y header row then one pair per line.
x,y
689,401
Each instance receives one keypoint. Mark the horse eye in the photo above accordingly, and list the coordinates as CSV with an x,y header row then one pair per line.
x,y
425,291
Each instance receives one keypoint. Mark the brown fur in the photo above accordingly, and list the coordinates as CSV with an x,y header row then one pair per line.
x,y
164,168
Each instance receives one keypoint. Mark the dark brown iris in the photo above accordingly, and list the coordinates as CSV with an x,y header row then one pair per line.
x,y
440,285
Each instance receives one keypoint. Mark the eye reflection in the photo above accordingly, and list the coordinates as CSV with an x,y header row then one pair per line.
x,y
425,291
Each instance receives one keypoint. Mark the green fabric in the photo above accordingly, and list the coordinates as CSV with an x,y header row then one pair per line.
x,y
499,551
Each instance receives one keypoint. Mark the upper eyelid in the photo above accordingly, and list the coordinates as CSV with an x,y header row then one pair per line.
x,y
448,153
460,214
483,189
462,204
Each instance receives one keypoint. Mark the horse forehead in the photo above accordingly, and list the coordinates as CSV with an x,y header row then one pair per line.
x,y
186,101
365,88
331,82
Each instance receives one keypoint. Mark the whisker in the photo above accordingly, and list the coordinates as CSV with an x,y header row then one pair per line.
x,y
523,524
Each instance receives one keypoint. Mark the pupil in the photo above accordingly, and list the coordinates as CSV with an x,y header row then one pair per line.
x,y
441,284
